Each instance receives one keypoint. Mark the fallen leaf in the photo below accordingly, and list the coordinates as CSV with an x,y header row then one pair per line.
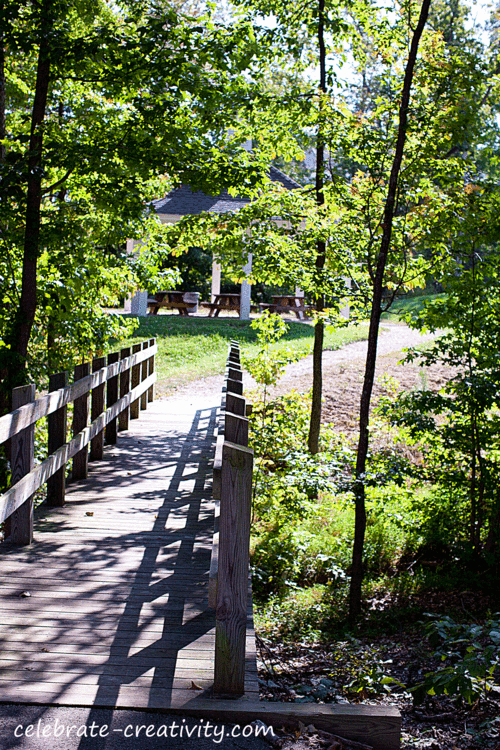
x,y
25,594
194,686
89,513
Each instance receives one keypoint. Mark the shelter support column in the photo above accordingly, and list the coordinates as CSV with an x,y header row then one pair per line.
x,y
346,309
246,290
216,272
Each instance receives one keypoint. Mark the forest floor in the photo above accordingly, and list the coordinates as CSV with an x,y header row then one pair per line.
x,y
307,672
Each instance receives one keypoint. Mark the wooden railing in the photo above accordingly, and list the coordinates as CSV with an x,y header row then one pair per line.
x,y
232,492
119,388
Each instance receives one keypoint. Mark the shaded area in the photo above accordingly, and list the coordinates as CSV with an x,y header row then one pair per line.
x,y
108,608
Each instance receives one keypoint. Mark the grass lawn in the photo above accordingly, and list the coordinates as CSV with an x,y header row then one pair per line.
x,y
406,305
194,347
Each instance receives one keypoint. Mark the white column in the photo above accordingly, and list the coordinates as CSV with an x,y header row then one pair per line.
x,y
139,304
129,249
216,271
346,310
246,290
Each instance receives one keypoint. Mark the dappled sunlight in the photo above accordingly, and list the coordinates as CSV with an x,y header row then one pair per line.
x,y
108,607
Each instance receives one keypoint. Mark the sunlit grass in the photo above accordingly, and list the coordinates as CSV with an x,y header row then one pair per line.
x,y
196,347
414,304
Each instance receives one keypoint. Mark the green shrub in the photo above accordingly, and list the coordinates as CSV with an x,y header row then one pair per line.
x,y
469,656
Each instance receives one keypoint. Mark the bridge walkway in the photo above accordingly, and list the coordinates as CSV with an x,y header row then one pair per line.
x,y
108,607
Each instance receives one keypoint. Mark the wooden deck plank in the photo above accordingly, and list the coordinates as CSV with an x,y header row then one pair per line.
x,y
118,578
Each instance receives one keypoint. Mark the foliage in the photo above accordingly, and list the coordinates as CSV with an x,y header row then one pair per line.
x,y
469,655
134,96
457,429
302,514
268,364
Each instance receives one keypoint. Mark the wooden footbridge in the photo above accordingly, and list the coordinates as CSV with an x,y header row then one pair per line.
x,y
129,588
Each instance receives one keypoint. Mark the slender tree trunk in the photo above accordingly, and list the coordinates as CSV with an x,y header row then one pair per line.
x,y
317,391
2,100
20,329
371,356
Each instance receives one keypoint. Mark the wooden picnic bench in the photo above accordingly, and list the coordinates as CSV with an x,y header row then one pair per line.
x,y
184,302
287,303
223,302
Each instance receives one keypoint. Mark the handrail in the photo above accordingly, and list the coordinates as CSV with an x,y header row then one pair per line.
x,y
19,419
30,483
229,565
16,504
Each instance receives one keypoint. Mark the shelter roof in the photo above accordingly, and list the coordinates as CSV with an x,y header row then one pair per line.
x,y
183,201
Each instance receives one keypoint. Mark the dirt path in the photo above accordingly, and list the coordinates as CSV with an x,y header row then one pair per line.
x,y
342,376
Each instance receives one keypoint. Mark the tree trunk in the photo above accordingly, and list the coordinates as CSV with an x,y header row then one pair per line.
x,y
371,356
317,391
2,100
20,330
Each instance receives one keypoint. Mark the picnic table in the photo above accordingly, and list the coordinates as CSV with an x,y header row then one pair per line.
x,y
288,303
184,302
224,301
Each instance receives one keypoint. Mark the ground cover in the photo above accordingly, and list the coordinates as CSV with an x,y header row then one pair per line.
x,y
301,555
194,347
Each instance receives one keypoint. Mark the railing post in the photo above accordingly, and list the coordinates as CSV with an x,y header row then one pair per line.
x,y
112,398
234,373
80,420
57,427
151,369
144,375
136,376
234,386
236,429
22,462
235,403
124,389
96,409
233,564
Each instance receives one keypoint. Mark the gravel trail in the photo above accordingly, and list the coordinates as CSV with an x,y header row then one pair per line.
x,y
342,376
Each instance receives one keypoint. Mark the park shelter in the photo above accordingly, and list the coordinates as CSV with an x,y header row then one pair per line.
x,y
182,201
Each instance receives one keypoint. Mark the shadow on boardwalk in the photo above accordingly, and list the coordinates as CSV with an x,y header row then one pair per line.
x,y
117,613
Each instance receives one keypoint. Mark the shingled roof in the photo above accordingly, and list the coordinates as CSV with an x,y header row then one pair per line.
x,y
183,201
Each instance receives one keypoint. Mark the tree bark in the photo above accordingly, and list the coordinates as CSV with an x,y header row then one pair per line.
x,y
20,331
371,356
317,390
2,100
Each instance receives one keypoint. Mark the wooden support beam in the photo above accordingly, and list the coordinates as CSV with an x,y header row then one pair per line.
x,y
124,389
144,375
136,378
57,435
376,726
233,564
96,409
80,420
22,462
112,398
